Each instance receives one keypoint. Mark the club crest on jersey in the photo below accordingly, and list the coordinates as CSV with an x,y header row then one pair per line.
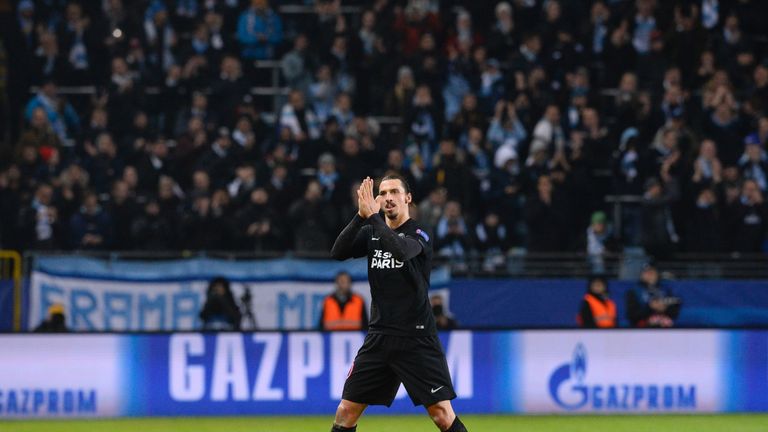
x,y
383,260
423,234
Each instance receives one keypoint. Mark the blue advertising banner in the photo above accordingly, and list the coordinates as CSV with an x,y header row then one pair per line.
x,y
287,294
569,372
100,295
521,303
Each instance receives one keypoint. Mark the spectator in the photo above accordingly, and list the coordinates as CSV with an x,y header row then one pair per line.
x,y
747,219
48,64
39,221
492,241
549,130
331,181
504,187
599,241
40,134
681,72
342,110
169,197
343,309
201,184
502,38
450,171
754,163
651,303
597,309
431,208
280,188
103,164
220,312
244,183
10,203
153,164
259,31
506,128
443,321
61,115
659,234
222,41
151,230
411,23
197,109
124,95
399,98
201,229
74,183
297,64
468,117
301,122
78,42
422,127
55,320
322,92
725,126
227,91
527,57
707,169
91,227
452,234
544,216
159,37
259,225
312,219
219,160
122,210
705,227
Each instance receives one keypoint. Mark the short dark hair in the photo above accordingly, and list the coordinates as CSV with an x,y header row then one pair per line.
x,y
396,176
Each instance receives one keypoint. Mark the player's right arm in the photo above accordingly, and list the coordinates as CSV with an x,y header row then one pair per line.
x,y
352,242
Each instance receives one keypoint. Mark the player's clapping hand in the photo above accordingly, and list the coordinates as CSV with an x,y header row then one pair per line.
x,y
366,203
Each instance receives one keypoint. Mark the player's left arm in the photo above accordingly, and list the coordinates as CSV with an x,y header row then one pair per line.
x,y
402,248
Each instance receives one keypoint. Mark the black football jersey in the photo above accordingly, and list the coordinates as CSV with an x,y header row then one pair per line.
x,y
399,264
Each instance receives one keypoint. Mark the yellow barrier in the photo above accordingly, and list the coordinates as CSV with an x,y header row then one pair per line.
x,y
10,268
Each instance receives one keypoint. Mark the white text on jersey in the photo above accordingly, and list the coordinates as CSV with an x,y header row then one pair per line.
x,y
384,260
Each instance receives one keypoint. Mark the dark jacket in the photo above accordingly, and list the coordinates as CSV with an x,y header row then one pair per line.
x,y
639,312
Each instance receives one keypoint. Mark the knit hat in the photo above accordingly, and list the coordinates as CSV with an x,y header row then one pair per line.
x,y
599,217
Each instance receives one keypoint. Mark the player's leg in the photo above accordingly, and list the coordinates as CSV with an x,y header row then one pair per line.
x,y
347,415
445,419
420,364
370,382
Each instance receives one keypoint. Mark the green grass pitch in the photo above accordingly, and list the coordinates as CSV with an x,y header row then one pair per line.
x,y
475,423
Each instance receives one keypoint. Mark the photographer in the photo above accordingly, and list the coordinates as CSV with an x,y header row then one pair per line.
x,y
220,312
652,304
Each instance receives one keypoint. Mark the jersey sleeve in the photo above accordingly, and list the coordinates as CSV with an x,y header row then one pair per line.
x,y
402,248
352,242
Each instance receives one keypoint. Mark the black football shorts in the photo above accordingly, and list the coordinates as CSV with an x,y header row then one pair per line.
x,y
384,361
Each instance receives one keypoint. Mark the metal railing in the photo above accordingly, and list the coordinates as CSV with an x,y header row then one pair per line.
x,y
10,270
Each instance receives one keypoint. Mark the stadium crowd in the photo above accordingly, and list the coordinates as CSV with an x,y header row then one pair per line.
x,y
517,119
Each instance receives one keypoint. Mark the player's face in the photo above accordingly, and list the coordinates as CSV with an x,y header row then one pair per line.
x,y
392,198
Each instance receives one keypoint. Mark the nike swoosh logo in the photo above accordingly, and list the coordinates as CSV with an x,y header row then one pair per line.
x,y
374,238
435,390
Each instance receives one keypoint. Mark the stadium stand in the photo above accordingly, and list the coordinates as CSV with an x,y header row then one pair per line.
x,y
133,125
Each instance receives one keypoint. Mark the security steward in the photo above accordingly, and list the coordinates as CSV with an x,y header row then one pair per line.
x,y
343,310
597,309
